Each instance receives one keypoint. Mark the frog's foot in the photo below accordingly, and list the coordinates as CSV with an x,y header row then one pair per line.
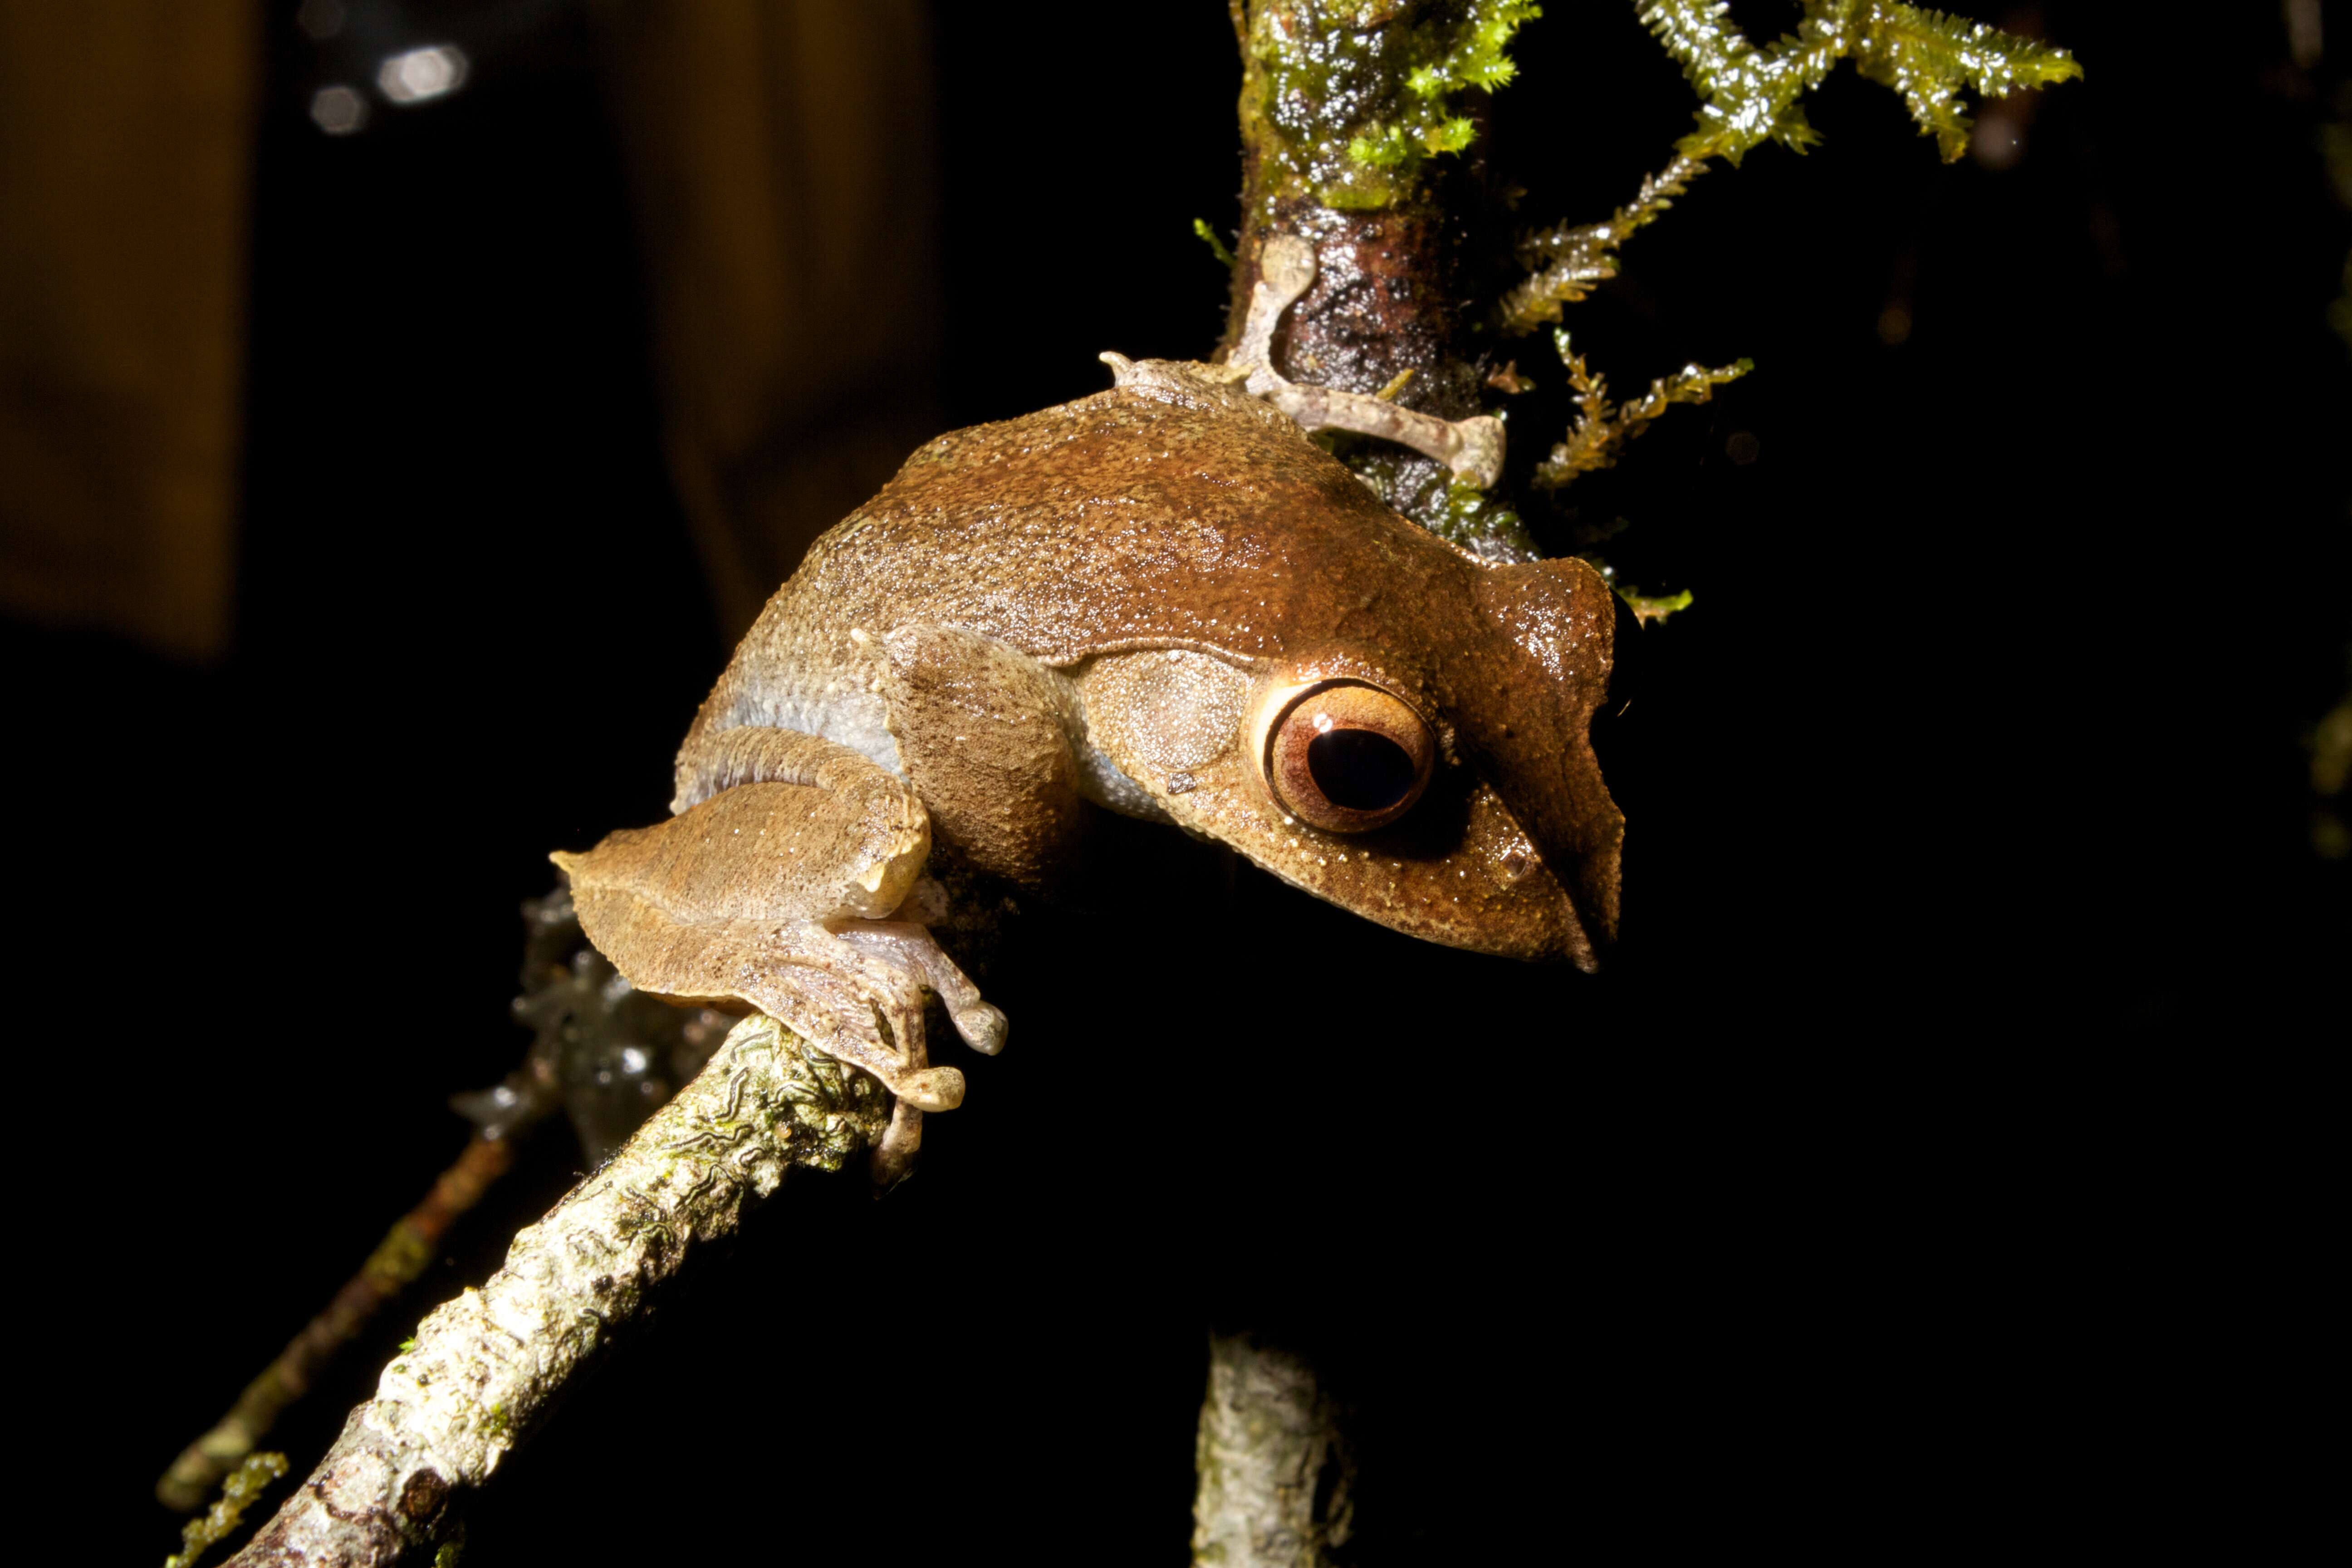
x,y
906,946
858,997
909,947
854,989
1471,449
772,886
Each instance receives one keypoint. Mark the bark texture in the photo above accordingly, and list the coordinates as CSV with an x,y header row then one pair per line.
x,y
484,1368
1276,1476
1384,316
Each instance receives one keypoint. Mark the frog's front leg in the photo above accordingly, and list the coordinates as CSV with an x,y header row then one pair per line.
x,y
771,889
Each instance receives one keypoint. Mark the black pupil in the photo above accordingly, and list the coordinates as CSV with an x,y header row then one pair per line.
x,y
1360,770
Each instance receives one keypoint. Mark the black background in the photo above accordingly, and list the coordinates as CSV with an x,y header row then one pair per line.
x,y
1919,1168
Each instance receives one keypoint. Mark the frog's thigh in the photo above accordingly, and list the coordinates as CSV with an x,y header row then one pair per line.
x,y
728,900
983,731
766,852
859,838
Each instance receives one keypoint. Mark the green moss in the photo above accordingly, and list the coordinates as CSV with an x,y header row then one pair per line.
x,y
1483,524
1350,98
1566,263
1755,96
239,1492
1649,608
1218,247
1646,607
1603,428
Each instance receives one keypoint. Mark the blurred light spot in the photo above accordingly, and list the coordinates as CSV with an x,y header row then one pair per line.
x,y
2330,839
1998,141
319,19
2305,40
422,75
338,110
1743,449
1994,150
1895,325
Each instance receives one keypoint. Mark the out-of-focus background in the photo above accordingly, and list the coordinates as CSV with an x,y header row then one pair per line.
x,y
403,406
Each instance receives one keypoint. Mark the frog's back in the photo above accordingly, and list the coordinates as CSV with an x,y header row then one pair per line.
x,y
1136,518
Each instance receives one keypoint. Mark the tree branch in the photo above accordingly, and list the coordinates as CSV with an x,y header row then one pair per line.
x,y
403,1255
484,1368
1354,122
1276,1478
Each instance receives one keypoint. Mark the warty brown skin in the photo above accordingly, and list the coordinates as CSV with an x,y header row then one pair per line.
x,y
1174,515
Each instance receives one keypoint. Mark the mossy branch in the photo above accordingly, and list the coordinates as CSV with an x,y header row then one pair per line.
x,y
1355,96
484,1368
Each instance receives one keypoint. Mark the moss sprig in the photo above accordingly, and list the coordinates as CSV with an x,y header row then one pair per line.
x,y
1650,608
1754,96
1363,93
1567,261
1215,242
1426,122
241,1489
1603,428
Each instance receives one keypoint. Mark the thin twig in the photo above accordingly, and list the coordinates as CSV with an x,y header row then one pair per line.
x,y
404,1254
484,1368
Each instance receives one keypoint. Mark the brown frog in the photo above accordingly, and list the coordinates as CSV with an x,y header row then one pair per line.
x,y
1162,600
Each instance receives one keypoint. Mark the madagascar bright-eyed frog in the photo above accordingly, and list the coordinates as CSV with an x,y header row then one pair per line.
x,y
1163,600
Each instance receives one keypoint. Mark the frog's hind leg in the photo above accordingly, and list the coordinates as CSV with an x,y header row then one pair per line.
x,y
767,890
694,909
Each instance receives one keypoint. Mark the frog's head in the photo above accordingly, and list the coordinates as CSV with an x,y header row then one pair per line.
x,y
1432,771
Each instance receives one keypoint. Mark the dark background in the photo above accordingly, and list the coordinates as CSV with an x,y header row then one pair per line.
x,y
1975,954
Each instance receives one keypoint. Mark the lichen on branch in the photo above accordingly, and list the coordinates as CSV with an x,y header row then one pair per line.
x,y
1276,1476
484,1368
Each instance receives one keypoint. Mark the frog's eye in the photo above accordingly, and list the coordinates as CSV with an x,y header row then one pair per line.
x,y
1348,758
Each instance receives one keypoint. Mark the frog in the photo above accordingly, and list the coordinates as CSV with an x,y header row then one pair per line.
x,y
1164,601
